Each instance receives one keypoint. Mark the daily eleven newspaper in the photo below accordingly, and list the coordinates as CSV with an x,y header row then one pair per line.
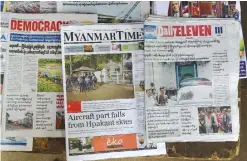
x,y
103,74
9,143
191,79
33,92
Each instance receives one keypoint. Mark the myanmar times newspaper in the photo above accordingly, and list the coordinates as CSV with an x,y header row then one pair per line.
x,y
104,92
191,79
33,92
9,143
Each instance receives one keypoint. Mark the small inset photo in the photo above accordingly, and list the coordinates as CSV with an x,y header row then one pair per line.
x,y
88,48
50,75
116,47
78,146
16,141
60,122
21,121
215,120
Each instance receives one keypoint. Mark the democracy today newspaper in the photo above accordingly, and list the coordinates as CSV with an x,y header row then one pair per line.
x,y
191,79
33,92
9,143
103,75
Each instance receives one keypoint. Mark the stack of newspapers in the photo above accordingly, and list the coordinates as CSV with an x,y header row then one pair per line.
x,y
116,81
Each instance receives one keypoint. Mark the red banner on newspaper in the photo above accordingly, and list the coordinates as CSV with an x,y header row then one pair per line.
x,y
74,107
114,142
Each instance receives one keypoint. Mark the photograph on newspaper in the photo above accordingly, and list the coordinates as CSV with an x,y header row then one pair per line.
x,y
180,83
34,85
99,77
103,105
16,144
31,7
215,120
50,75
191,79
108,11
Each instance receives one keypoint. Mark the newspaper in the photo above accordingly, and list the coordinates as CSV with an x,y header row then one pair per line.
x,y
9,143
242,51
160,8
103,75
108,11
30,7
191,78
33,93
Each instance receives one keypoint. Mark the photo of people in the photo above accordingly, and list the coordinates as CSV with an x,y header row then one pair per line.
x,y
78,146
50,75
60,122
23,121
215,120
175,8
1,85
168,84
140,86
99,77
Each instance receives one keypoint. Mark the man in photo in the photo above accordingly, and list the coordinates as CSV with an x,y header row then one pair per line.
x,y
162,98
202,128
175,8
230,120
151,100
208,121
215,124
225,120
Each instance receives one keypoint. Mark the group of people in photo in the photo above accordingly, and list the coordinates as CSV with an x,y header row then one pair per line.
x,y
213,120
83,83
155,98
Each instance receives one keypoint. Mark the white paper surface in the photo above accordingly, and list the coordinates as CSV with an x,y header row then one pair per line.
x,y
191,69
9,143
33,93
109,123
108,11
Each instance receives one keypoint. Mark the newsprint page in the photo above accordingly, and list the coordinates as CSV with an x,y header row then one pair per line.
x,y
103,73
191,79
9,143
33,92
108,11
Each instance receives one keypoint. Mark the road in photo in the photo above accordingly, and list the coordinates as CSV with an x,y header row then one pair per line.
x,y
22,121
50,75
99,77
168,84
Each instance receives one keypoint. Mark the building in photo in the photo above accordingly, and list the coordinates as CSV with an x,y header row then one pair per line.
x,y
171,74
182,81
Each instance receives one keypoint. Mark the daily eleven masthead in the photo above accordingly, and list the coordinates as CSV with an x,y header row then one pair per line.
x,y
184,30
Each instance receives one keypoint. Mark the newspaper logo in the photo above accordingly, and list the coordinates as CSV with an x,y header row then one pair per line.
x,y
219,30
185,31
4,37
150,32
114,142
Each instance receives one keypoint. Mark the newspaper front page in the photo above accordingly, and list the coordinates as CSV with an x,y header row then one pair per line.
x,y
191,78
108,11
33,93
103,73
9,143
